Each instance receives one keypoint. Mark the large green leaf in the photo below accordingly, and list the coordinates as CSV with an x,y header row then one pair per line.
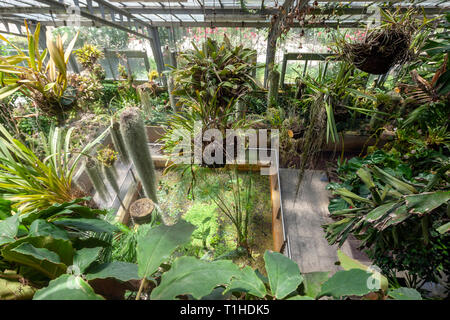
x,y
12,289
95,225
348,194
379,212
283,273
398,215
198,278
8,229
123,271
348,263
425,202
313,282
248,281
60,247
347,283
405,294
298,297
399,185
41,259
156,246
38,253
364,174
43,228
71,208
83,258
67,287
444,228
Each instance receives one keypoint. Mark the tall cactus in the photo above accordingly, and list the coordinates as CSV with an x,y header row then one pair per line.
x,y
135,138
118,142
274,79
172,99
94,174
111,175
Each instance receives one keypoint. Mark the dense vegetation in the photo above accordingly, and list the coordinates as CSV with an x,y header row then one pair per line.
x,y
56,243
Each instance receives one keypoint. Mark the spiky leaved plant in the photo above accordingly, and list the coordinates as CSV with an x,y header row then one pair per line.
x,y
119,144
135,138
94,174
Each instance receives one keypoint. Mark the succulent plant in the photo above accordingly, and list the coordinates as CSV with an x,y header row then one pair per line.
x,y
135,138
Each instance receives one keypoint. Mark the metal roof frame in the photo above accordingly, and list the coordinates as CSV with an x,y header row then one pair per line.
x,y
142,18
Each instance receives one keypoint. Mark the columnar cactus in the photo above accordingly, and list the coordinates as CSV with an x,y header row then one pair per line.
x,y
172,99
94,174
135,138
274,79
111,175
118,142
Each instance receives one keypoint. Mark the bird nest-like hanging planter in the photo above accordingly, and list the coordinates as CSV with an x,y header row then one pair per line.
x,y
382,47
380,50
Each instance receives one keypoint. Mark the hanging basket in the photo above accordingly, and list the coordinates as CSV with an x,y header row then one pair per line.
x,y
141,210
380,50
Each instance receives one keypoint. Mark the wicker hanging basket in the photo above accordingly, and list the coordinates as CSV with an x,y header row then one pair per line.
x,y
380,50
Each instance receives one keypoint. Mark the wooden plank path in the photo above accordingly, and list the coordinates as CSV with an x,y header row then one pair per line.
x,y
304,214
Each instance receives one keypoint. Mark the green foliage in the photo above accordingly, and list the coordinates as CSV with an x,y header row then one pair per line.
x,y
347,283
123,271
67,287
31,182
107,156
283,273
396,212
45,83
88,56
182,132
215,68
204,217
44,244
193,278
158,243
405,294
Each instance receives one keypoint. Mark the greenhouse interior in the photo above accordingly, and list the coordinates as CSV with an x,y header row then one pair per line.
x,y
224,150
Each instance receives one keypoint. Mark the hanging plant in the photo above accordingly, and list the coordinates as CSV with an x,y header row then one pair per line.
x,y
385,46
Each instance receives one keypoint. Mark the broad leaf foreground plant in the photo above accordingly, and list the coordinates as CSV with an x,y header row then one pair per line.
x,y
186,277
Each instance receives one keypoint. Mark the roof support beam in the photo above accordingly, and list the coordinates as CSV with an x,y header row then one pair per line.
x,y
95,19
155,44
241,24
206,10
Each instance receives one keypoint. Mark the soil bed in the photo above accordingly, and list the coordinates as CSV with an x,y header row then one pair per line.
x,y
215,235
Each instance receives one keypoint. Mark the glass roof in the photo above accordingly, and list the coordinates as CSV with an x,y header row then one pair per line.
x,y
138,15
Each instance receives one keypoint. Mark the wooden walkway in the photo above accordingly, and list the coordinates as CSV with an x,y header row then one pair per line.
x,y
304,214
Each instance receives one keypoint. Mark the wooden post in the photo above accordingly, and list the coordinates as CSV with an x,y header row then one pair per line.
x,y
283,71
272,94
274,34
